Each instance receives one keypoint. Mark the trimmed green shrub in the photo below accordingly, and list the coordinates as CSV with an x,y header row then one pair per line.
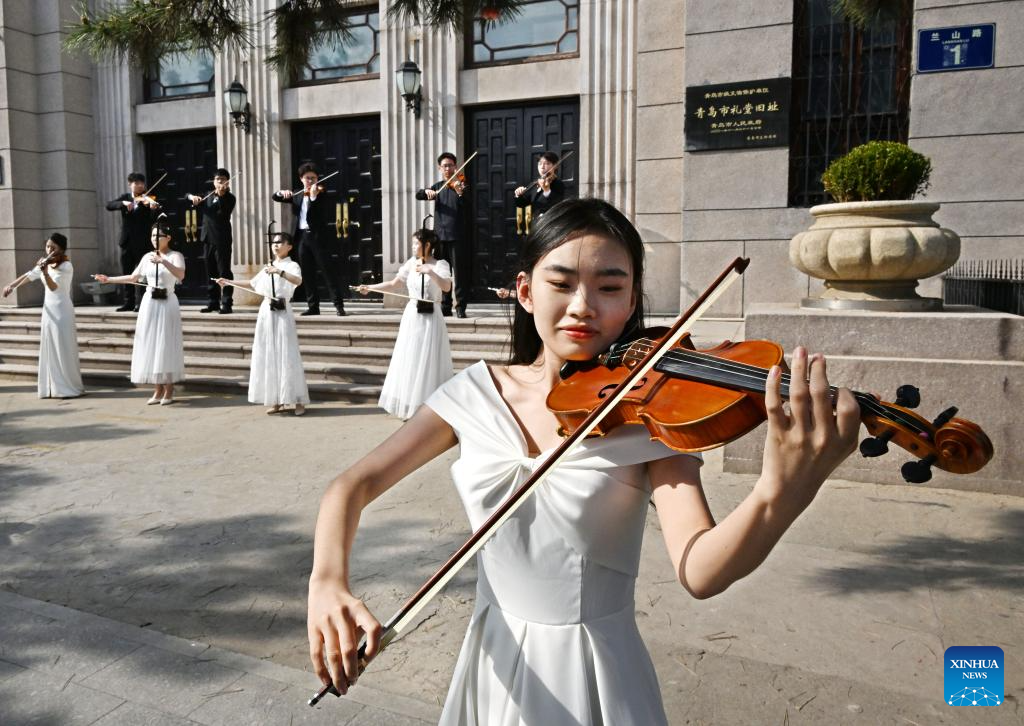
x,y
877,170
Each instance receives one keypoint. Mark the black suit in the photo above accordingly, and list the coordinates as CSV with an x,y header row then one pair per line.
x,y
318,249
540,203
449,224
136,225
216,235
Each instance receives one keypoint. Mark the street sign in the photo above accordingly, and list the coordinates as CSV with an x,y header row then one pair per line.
x,y
956,49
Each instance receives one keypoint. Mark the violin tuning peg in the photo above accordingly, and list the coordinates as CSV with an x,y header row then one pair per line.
x,y
918,472
876,446
943,418
908,396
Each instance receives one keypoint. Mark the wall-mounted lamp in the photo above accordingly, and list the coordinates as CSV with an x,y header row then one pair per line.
x,y
237,100
408,79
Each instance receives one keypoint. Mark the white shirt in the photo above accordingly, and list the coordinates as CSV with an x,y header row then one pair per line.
x,y
303,224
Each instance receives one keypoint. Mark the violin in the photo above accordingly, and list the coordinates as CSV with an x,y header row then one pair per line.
x,y
319,190
147,199
55,258
457,182
695,400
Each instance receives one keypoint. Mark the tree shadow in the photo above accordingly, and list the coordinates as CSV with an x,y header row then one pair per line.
x,y
993,560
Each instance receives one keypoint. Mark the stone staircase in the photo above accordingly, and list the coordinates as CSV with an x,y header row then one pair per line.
x,y
344,358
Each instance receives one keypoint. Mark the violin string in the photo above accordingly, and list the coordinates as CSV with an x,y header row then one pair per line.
x,y
758,374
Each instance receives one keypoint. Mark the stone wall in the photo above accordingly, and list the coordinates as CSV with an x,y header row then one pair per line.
x,y
47,144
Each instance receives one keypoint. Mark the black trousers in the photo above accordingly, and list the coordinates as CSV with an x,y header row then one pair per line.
x,y
455,253
315,258
130,259
218,264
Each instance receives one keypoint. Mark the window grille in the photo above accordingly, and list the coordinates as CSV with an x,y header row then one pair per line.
x,y
850,86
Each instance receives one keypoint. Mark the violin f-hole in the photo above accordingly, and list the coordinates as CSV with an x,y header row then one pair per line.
x,y
603,393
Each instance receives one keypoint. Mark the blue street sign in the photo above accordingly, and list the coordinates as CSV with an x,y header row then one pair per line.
x,y
956,49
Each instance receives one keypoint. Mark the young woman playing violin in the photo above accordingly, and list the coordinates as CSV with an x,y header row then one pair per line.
x,y
158,355
553,638
59,371
449,211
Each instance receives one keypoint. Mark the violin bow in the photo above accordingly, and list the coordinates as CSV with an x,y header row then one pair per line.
x,y
154,186
551,170
243,287
215,189
405,616
318,181
464,165
396,294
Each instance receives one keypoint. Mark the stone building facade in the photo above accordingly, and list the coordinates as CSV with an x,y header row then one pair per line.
x,y
613,94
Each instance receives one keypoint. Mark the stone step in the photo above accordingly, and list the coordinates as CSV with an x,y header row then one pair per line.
x,y
372,356
242,333
96,377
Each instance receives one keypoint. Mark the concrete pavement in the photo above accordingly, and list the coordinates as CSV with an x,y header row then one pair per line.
x,y
139,545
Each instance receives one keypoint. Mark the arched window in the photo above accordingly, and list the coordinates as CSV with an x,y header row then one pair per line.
x,y
850,86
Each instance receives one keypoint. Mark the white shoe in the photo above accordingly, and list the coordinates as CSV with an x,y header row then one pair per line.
x,y
153,400
300,410
166,401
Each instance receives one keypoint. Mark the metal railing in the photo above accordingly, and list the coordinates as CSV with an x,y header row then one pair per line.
x,y
992,284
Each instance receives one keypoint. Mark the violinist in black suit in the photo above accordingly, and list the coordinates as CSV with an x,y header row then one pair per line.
x,y
317,249
448,226
216,235
138,214
547,191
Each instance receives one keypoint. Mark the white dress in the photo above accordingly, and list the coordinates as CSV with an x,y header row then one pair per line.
x,y
276,376
60,375
157,354
553,638
422,359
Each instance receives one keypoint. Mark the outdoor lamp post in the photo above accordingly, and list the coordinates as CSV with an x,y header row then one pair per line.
x,y
237,100
408,79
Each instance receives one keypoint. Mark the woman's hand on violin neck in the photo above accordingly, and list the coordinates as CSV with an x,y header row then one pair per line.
x,y
335,621
804,445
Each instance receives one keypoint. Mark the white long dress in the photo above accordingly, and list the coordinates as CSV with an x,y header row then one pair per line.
x,y
60,374
553,638
276,376
158,355
422,359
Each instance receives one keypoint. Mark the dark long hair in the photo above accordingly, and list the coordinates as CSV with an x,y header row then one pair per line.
x,y
565,221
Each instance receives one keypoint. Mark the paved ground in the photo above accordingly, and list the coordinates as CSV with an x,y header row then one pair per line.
x,y
187,530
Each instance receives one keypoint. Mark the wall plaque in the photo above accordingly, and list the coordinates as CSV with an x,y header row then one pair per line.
x,y
746,115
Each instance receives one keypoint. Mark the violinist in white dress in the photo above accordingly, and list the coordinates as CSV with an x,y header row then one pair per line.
x,y
59,371
158,355
422,357
276,376
553,638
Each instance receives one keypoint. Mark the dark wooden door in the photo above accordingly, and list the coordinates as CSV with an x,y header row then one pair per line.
x,y
189,160
509,140
351,146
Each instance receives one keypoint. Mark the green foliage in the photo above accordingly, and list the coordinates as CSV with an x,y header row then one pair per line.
x,y
862,12
453,13
300,25
876,171
141,31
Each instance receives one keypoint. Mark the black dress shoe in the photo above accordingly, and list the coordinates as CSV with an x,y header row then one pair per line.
x,y
225,310
446,313
211,308
309,311
460,313
124,308
135,309
341,312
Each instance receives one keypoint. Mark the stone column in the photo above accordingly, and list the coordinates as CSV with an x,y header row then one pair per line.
x,y
608,101
47,142
261,156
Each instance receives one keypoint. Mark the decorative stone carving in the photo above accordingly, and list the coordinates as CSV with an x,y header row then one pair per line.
x,y
871,254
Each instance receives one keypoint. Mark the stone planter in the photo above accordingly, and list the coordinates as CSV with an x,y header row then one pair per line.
x,y
871,254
